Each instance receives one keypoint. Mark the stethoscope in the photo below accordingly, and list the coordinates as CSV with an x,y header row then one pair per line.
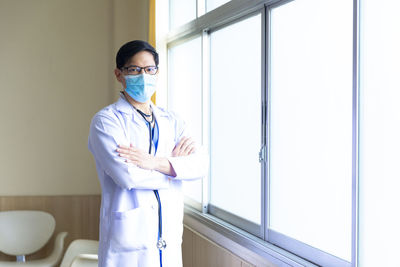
x,y
161,244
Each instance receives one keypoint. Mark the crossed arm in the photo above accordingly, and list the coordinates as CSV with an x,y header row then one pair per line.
x,y
142,159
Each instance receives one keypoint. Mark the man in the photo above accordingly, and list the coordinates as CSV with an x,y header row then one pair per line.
x,y
142,154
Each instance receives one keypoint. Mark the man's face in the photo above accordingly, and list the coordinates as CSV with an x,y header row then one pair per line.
x,y
141,59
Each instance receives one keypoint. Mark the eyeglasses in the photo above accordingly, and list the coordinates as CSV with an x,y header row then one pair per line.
x,y
136,70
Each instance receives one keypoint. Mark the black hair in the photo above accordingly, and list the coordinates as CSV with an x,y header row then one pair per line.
x,y
128,50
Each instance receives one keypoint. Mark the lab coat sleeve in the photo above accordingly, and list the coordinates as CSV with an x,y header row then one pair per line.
x,y
105,135
191,167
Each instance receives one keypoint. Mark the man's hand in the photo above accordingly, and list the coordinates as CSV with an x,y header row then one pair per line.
x,y
137,156
185,147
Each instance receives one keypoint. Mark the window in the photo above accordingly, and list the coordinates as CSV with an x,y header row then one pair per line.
x,y
297,103
181,12
310,126
235,62
379,133
213,4
186,94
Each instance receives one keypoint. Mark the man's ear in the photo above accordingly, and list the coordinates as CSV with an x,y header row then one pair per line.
x,y
118,75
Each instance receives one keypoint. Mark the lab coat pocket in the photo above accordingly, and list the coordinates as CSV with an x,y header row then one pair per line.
x,y
134,229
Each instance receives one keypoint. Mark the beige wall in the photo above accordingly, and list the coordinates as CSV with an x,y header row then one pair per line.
x,y
125,30
56,72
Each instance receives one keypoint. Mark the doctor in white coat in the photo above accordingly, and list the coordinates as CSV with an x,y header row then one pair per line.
x,y
142,154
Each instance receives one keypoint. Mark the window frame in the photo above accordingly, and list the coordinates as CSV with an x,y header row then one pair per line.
x,y
295,246
261,240
235,220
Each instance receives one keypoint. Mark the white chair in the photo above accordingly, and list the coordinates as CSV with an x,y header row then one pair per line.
x,y
25,232
85,260
81,252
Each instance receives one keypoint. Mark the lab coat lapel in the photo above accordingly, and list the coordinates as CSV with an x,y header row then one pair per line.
x,y
136,129
123,106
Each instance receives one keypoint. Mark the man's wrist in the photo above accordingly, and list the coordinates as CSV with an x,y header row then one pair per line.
x,y
163,165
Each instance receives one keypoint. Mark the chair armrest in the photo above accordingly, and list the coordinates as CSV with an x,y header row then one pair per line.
x,y
85,260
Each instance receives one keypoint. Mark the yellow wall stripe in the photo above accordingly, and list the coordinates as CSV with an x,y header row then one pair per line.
x,y
152,30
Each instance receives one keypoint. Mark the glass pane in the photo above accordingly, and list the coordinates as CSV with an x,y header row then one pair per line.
x,y
181,12
236,118
213,4
379,133
311,123
185,95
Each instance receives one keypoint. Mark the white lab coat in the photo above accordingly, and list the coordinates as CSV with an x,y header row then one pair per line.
x,y
129,208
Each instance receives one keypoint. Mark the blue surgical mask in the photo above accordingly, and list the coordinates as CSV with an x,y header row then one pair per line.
x,y
141,87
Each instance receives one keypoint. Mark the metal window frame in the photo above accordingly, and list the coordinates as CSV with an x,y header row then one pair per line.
x,y
229,12
355,140
259,238
242,223
313,254
205,50
306,251
205,223
235,220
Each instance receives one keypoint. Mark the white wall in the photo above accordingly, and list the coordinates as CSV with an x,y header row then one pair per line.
x,y
56,72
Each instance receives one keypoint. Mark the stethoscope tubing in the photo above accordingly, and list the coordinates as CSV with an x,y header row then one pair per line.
x,y
161,243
